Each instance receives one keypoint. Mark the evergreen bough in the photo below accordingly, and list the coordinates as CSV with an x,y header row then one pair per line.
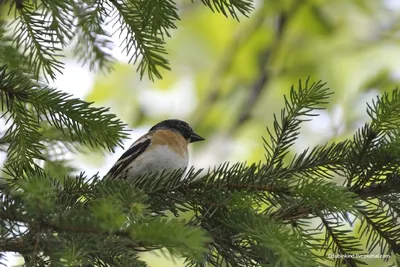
x,y
41,29
239,215
283,211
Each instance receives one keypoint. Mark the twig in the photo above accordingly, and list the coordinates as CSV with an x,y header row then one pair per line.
x,y
265,61
302,211
21,245
216,80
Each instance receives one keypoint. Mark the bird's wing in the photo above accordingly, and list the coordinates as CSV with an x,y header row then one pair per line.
x,y
129,156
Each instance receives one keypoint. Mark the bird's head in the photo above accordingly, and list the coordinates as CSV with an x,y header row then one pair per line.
x,y
179,126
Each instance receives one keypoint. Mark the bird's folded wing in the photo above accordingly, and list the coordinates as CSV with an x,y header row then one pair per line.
x,y
129,156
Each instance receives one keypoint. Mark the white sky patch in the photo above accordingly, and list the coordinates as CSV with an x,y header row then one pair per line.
x,y
175,102
394,5
319,130
75,79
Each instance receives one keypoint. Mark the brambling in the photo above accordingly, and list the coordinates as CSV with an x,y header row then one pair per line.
x,y
164,147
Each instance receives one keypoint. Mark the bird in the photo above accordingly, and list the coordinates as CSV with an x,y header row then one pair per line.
x,y
163,147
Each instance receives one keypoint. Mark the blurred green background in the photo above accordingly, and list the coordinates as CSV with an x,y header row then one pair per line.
x,y
227,77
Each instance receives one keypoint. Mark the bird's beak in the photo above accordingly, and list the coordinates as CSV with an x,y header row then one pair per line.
x,y
194,137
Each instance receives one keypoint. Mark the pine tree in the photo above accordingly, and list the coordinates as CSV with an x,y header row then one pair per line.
x,y
240,215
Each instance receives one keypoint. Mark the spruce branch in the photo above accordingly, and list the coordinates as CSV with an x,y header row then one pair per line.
x,y
57,142
339,241
386,190
377,139
38,38
230,7
9,55
93,43
159,16
61,18
390,201
139,40
38,210
269,234
85,124
77,119
320,161
388,184
381,226
12,87
375,158
43,29
310,237
300,105
364,140
263,184
384,111
252,214
65,228
322,195
24,137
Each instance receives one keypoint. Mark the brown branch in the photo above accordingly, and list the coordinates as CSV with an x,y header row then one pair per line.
x,y
265,61
392,242
296,212
28,244
223,66
299,212
373,191
305,211
18,245
239,187
348,260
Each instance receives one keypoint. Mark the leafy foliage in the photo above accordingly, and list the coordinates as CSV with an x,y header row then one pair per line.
x,y
231,7
279,212
43,29
241,215
27,104
93,42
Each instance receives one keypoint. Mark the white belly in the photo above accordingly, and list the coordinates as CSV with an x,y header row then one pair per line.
x,y
157,160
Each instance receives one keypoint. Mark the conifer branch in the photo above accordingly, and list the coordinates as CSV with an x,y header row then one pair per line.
x,y
61,18
61,228
385,110
159,16
364,140
24,137
387,186
43,30
9,55
340,241
311,238
230,7
383,231
140,40
73,117
36,36
321,161
253,215
93,43
300,105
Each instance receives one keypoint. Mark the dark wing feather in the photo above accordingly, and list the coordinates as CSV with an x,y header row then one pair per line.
x,y
130,155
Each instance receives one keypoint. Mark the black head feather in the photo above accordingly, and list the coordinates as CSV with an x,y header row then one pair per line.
x,y
179,126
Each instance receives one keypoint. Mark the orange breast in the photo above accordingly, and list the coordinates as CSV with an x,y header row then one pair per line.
x,y
174,140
